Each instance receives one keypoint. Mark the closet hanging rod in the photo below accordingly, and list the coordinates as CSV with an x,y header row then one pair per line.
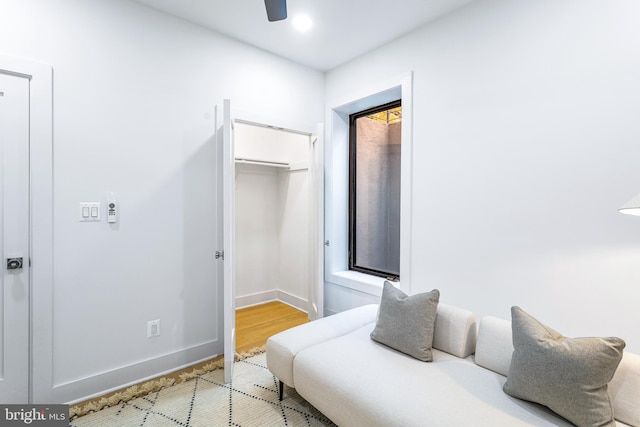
x,y
262,163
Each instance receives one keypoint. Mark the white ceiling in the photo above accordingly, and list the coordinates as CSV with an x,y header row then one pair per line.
x,y
342,29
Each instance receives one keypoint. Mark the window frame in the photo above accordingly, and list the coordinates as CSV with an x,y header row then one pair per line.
x,y
352,240
342,284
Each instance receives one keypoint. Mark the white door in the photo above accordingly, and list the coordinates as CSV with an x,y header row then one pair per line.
x,y
14,239
228,195
316,219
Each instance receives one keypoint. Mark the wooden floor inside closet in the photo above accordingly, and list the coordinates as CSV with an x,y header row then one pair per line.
x,y
257,323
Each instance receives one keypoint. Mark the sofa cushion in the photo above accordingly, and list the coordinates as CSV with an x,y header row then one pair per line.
x,y
495,345
455,330
357,382
624,390
568,375
283,347
406,323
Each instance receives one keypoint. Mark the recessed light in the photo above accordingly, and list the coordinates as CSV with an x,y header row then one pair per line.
x,y
302,23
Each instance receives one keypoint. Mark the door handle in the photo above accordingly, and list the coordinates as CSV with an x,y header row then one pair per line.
x,y
14,263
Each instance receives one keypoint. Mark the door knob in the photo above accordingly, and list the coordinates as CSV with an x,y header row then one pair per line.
x,y
14,263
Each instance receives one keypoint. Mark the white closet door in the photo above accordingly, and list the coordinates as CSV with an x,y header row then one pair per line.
x,y
14,239
316,221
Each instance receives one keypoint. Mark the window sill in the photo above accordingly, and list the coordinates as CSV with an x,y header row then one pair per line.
x,y
361,282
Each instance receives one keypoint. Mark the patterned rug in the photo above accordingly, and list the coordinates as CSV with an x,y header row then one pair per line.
x,y
250,400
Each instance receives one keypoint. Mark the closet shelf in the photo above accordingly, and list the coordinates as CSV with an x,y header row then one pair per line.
x,y
291,166
262,163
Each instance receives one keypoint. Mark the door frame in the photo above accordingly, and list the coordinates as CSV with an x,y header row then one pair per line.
x,y
228,239
316,142
41,225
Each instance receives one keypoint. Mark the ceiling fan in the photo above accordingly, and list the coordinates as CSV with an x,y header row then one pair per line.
x,y
276,9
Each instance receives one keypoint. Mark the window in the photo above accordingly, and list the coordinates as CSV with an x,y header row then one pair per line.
x,y
344,286
374,190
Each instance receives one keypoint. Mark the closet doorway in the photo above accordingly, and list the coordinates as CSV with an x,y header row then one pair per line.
x,y
276,217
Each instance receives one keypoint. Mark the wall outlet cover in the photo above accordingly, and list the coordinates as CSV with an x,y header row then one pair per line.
x,y
153,328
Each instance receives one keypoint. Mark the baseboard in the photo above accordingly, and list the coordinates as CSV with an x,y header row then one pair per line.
x,y
115,379
272,295
257,298
293,301
329,312
106,382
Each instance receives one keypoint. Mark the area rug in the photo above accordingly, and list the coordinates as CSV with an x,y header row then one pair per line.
x,y
251,399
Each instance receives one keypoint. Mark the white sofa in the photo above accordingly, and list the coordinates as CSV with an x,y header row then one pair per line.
x,y
335,365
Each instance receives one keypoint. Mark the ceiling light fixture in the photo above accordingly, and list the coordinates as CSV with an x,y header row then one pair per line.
x,y
302,23
632,207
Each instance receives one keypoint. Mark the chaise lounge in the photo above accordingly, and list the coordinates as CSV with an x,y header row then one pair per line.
x,y
338,366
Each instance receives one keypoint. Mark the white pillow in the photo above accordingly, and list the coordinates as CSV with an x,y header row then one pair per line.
x,y
455,331
624,390
495,345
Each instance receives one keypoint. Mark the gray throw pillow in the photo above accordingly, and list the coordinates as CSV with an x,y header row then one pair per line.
x,y
406,323
568,375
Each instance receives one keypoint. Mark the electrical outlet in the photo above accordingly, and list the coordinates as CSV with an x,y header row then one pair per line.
x,y
153,328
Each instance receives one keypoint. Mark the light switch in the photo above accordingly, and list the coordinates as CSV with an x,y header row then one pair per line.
x,y
89,212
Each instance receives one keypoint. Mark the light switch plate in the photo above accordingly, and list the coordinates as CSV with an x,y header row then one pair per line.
x,y
89,212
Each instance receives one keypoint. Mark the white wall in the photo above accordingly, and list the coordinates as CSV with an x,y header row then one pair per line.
x,y
134,97
526,142
294,239
257,219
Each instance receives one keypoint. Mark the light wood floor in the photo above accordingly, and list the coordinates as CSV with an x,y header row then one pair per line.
x,y
254,325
